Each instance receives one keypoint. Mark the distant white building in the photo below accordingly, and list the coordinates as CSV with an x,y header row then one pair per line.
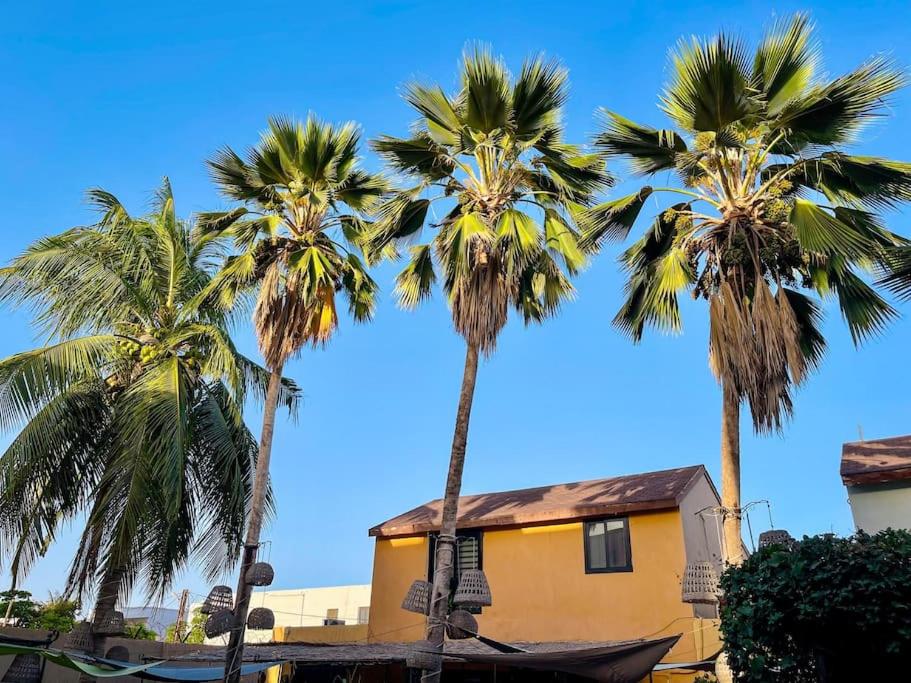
x,y
877,475
332,605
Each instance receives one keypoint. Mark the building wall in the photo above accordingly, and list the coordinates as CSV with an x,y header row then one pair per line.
x,y
879,506
542,593
305,607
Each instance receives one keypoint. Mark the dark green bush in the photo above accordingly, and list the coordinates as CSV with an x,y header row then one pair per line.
x,y
829,609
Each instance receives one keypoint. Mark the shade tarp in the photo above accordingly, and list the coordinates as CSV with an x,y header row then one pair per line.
x,y
624,663
71,660
109,668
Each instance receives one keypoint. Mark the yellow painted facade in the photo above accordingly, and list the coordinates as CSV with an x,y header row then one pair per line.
x,y
542,593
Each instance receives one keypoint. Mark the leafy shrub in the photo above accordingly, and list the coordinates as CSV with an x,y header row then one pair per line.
x,y
830,609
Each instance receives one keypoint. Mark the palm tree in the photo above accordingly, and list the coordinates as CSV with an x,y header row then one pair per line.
x,y
298,223
516,191
132,414
773,215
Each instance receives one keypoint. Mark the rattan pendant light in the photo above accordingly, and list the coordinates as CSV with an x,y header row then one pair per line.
x,y
473,590
219,598
418,597
700,583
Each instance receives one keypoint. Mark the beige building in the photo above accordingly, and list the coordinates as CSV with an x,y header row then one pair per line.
x,y
877,475
329,606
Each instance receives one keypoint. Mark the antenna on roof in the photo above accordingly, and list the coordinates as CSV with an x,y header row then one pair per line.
x,y
860,431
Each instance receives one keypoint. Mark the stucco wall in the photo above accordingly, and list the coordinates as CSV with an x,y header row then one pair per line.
x,y
542,593
304,607
879,506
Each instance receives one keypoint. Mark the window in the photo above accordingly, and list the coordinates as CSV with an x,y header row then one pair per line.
x,y
332,618
363,615
607,546
469,555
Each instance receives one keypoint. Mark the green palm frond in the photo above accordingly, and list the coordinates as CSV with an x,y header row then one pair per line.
x,y
308,197
649,150
512,195
106,413
709,89
785,62
834,113
777,214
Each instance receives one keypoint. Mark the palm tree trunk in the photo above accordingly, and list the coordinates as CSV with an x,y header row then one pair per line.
x,y
445,549
235,652
730,475
105,602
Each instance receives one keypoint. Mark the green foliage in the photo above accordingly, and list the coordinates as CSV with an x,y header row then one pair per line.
x,y
301,220
775,209
139,631
515,196
25,610
132,414
56,614
838,607
196,634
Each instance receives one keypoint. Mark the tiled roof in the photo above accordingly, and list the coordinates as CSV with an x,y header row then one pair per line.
x,y
617,495
873,462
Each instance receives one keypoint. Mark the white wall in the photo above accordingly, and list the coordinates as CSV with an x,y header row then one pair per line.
x,y
878,506
304,607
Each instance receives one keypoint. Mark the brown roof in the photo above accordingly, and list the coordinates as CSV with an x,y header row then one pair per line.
x,y
617,495
873,462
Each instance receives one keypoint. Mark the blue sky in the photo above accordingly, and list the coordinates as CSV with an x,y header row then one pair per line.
x,y
113,95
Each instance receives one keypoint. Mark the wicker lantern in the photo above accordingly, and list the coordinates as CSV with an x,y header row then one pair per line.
x,y
461,625
260,574
110,624
219,623
700,583
418,597
423,655
118,653
776,537
219,598
260,619
24,669
80,638
473,590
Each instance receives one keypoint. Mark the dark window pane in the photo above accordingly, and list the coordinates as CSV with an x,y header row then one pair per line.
x,y
597,556
607,546
616,543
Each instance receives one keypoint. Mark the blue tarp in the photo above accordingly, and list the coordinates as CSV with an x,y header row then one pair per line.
x,y
208,673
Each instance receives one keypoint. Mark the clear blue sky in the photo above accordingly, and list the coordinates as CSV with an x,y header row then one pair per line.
x,y
117,96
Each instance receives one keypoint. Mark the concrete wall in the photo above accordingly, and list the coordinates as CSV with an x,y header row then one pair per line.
x,y
879,506
702,533
305,607
542,593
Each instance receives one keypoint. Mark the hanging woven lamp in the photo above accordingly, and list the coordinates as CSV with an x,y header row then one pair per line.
x,y
25,668
776,537
473,590
260,574
423,655
110,624
219,598
260,619
80,638
700,583
219,623
118,653
418,597
461,624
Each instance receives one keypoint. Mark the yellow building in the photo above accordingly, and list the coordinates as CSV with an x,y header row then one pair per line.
x,y
569,566
591,561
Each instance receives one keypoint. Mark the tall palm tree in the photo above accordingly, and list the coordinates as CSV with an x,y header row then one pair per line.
x,y
773,215
297,228
132,414
515,192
